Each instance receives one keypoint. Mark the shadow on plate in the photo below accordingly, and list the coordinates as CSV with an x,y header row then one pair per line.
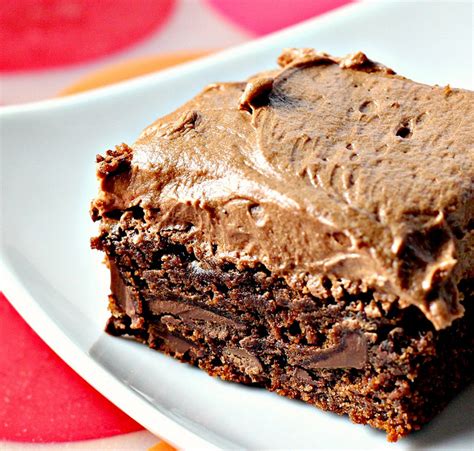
x,y
456,420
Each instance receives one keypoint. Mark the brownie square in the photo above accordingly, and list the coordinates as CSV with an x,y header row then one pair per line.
x,y
309,231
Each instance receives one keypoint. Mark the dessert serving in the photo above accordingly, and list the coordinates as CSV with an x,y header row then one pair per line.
x,y
310,231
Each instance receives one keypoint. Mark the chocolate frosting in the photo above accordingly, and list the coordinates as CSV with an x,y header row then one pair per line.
x,y
327,167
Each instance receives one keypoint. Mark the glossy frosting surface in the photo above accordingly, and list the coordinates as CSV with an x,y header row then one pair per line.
x,y
325,168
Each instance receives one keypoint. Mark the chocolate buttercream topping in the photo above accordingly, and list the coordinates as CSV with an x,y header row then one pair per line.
x,y
325,168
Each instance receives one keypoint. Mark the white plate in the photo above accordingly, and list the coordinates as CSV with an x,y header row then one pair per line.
x,y
59,286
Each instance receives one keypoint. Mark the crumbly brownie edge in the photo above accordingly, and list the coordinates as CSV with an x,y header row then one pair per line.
x,y
249,327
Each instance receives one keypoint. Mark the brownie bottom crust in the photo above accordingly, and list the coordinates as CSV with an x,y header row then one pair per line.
x,y
348,351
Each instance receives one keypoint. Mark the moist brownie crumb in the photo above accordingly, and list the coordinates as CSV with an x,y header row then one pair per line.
x,y
309,231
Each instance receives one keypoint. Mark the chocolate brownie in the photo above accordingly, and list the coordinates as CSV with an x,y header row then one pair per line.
x,y
310,231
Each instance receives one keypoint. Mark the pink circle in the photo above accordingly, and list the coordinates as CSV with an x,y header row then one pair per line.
x,y
265,16
45,33
41,398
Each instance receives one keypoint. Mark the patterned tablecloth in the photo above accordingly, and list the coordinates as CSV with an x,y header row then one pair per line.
x,y
47,46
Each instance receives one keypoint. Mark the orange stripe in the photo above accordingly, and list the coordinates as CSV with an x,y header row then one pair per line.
x,y
162,446
130,69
